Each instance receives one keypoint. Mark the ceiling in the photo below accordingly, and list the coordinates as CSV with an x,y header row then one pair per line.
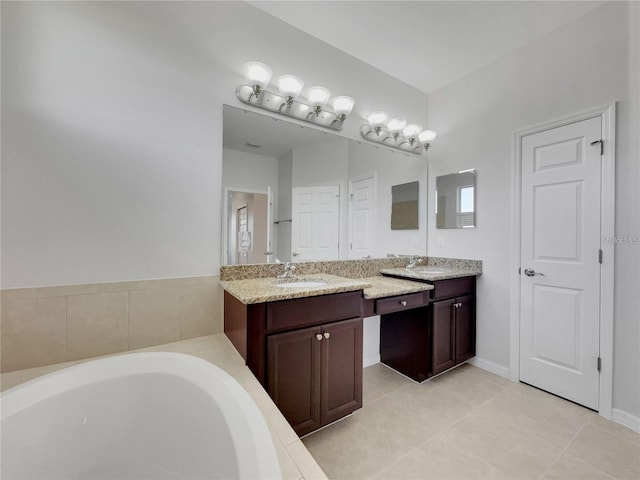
x,y
427,44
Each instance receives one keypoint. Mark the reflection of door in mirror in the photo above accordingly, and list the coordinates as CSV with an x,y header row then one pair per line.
x,y
362,195
315,223
247,235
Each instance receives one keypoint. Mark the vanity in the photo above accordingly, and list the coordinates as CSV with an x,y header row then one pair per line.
x,y
304,344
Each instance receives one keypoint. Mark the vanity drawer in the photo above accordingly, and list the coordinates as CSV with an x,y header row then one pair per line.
x,y
300,312
453,288
401,302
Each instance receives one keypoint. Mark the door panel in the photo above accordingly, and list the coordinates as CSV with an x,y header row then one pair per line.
x,y
362,214
315,227
293,366
341,386
443,328
465,328
560,240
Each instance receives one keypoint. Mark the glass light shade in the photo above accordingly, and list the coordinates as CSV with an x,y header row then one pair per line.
x,y
412,131
343,105
257,73
427,136
377,119
318,96
289,85
396,125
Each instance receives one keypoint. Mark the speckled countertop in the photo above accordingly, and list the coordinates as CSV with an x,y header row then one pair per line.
x,y
431,273
381,287
259,290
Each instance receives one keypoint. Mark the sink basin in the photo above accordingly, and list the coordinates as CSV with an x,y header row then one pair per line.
x,y
302,284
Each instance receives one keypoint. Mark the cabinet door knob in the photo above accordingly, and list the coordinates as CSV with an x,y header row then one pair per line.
x,y
327,334
403,303
319,336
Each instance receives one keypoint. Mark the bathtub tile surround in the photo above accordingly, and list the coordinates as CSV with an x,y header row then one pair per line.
x,y
295,461
47,325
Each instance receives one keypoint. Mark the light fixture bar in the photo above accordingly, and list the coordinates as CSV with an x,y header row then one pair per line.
x,y
396,134
276,103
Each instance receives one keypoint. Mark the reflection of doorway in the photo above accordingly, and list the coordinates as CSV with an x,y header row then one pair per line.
x,y
247,234
315,230
362,216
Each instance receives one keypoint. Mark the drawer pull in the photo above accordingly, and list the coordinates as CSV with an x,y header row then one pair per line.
x,y
319,336
327,334
403,303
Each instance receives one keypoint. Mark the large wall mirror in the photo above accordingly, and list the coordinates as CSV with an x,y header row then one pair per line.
x,y
456,200
293,192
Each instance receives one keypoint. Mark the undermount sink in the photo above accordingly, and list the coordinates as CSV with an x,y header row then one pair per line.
x,y
302,284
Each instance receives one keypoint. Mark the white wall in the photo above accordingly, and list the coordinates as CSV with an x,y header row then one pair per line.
x,y
112,130
393,169
589,62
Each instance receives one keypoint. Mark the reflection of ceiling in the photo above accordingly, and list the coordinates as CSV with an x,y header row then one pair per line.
x,y
241,127
427,44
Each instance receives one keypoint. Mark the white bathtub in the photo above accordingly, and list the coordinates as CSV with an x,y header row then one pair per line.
x,y
136,416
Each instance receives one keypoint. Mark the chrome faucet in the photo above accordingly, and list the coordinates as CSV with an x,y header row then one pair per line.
x,y
413,261
288,271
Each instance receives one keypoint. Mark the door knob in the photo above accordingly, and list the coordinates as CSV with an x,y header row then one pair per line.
x,y
530,272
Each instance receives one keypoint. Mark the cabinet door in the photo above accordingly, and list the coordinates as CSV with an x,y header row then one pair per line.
x,y
443,333
341,369
293,366
465,328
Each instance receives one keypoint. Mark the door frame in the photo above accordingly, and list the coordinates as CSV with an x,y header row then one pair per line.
x,y
607,228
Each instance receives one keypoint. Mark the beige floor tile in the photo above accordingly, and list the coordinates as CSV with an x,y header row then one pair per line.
x,y
467,385
537,413
569,467
615,429
506,447
380,380
608,452
484,374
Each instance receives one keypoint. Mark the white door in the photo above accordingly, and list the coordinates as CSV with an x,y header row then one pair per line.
x,y
315,225
362,197
560,285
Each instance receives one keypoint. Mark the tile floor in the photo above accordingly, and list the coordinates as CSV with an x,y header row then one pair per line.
x,y
469,424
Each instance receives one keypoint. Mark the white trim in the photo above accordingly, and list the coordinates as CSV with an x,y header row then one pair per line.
x,y
499,370
608,115
372,360
626,419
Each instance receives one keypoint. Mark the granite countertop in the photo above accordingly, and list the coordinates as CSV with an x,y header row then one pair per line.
x,y
431,273
381,287
259,290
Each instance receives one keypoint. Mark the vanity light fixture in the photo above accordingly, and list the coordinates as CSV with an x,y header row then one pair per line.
x,y
396,133
288,100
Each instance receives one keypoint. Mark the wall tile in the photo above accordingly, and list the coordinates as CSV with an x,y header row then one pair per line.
x,y
198,310
154,316
33,332
97,324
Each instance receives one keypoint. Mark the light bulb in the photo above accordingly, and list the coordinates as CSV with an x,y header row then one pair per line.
x,y
289,85
412,131
318,96
343,105
377,120
396,125
427,136
257,73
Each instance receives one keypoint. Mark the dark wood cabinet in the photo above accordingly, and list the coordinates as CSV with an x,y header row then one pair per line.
x,y
306,352
425,341
453,339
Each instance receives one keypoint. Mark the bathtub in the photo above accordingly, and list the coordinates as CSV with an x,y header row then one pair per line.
x,y
135,416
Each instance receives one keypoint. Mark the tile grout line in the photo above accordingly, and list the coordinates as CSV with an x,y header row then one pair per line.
x,y
564,450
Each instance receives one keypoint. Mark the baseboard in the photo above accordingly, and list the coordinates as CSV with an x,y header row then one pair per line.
x,y
626,419
372,360
491,367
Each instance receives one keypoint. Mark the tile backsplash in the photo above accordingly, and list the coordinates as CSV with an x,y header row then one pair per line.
x,y
46,325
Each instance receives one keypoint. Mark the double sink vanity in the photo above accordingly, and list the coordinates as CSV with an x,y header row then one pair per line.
x,y
302,335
